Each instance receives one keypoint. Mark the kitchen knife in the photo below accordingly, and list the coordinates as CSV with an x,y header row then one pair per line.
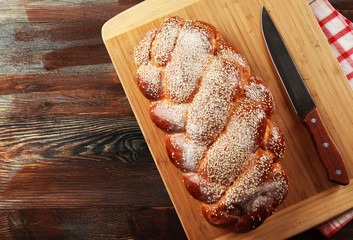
x,y
329,155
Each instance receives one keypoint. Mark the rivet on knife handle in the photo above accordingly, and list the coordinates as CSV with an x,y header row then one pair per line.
x,y
330,156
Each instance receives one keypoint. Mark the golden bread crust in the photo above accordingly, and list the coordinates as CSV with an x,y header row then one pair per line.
x,y
218,119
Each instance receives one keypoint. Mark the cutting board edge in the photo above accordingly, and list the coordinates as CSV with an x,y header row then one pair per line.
x,y
300,219
110,30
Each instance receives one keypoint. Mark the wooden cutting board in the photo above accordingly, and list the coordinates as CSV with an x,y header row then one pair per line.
x,y
312,199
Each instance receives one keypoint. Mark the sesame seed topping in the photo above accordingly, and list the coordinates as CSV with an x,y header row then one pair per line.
x,y
149,79
169,116
191,151
219,121
190,57
142,51
210,108
165,40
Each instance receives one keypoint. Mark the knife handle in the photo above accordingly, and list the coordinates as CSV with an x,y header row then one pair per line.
x,y
329,155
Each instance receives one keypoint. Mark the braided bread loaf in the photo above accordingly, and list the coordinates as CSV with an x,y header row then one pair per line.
x,y
218,121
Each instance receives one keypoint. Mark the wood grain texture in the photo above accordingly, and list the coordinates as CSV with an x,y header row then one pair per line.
x,y
61,155
73,161
297,24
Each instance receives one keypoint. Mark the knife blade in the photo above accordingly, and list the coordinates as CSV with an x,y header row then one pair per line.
x,y
329,155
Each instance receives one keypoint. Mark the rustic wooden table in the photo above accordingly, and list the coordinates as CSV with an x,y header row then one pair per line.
x,y
73,162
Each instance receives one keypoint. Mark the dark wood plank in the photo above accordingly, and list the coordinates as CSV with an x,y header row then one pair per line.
x,y
60,223
76,163
345,7
156,223
91,223
102,78
52,105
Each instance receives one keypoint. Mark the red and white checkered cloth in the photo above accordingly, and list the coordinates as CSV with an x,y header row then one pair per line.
x,y
339,33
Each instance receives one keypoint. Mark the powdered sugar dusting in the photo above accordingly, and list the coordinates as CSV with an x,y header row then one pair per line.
x,y
190,57
274,140
218,117
211,191
165,40
228,51
260,188
191,152
249,182
227,156
172,117
149,79
256,90
209,109
142,51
